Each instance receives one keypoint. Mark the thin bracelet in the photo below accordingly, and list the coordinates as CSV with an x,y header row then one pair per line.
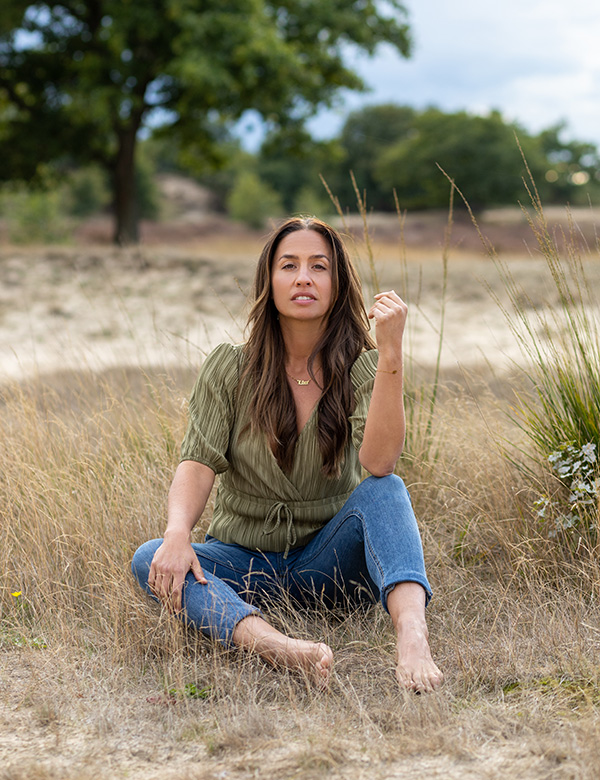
x,y
383,371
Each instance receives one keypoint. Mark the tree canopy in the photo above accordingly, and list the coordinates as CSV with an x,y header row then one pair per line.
x,y
399,148
479,152
365,136
80,79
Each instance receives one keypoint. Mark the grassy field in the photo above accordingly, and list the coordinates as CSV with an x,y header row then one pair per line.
x,y
96,682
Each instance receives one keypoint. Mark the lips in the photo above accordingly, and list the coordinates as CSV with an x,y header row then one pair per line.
x,y
303,297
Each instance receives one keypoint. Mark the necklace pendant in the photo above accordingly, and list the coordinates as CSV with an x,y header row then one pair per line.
x,y
303,382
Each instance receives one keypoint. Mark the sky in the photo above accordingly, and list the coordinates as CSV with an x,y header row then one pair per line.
x,y
536,61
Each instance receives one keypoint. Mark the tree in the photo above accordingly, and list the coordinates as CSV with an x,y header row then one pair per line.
x,y
82,78
366,134
479,152
291,162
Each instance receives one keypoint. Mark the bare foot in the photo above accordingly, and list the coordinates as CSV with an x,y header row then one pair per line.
x,y
415,669
314,659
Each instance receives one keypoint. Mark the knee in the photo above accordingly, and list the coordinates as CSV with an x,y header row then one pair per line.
x,y
379,487
383,495
142,558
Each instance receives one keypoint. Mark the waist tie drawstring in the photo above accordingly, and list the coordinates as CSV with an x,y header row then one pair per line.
x,y
273,521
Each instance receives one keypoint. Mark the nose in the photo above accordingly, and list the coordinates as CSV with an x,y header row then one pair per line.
x,y
303,277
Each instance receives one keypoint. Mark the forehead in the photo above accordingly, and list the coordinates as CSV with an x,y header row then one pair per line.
x,y
303,243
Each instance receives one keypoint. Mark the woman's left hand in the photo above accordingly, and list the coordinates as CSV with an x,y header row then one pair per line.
x,y
385,426
389,312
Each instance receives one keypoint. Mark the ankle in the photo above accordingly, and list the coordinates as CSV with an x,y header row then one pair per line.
x,y
252,632
411,621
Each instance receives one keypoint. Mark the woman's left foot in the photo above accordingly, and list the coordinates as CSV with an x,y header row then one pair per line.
x,y
415,668
313,659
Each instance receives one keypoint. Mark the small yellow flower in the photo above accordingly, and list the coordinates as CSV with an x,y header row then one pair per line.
x,y
16,594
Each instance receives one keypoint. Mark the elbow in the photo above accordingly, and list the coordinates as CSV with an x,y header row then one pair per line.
x,y
379,472
378,467
377,462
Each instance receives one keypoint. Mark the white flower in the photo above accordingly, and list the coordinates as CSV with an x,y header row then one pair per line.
x,y
589,452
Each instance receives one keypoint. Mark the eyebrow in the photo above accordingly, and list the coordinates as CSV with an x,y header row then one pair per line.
x,y
289,256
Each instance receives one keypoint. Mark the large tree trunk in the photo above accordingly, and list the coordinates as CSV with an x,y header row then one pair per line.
x,y
124,189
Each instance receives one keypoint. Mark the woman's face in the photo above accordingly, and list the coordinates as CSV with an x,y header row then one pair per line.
x,y
301,283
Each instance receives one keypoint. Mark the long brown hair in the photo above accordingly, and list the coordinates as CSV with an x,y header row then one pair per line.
x,y
346,335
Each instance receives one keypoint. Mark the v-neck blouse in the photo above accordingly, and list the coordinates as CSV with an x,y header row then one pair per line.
x,y
258,505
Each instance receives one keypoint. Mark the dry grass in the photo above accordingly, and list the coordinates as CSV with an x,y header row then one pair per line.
x,y
94,678
95,682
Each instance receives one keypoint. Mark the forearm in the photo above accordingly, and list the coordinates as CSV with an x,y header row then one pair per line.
x,y
188,495
385,427
175,557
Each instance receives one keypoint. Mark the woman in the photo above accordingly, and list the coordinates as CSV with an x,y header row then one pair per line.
x,y
288,419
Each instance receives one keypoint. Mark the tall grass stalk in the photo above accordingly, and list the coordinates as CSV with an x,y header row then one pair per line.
x,y
426,396
421,395
559,339
361,204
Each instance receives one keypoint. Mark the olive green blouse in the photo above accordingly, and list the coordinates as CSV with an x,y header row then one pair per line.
x,y
258,505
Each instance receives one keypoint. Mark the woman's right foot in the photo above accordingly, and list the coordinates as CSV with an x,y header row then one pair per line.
x,y
415,668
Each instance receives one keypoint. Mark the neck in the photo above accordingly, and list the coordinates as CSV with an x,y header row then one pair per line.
x,y
300,339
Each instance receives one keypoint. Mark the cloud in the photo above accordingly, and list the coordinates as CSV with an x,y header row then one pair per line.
x,y
538,62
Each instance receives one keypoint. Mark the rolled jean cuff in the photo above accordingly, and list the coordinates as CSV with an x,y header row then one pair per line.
x,y
415,577
220,613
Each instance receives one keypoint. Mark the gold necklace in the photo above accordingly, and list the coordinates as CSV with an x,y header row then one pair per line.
x,y
301,382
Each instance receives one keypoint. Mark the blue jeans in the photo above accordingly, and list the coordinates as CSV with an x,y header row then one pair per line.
x,y
370,545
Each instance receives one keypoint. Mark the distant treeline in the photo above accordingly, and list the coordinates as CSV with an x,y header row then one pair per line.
x,y
397,149
394,154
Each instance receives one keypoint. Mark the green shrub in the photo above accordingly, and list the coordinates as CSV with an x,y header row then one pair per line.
x,y
252,201
312,200
560,414
146,189
87,191
577,503
36,216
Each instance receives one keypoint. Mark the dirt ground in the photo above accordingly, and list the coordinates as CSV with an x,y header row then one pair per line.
x,y
62,718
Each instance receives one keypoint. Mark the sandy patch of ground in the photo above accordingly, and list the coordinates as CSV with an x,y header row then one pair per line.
x,y
96,306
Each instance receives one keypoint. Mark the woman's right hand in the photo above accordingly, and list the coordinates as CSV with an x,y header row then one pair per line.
x,y
170,565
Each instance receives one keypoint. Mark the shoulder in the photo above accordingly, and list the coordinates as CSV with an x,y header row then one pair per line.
x,y
364,367
223,364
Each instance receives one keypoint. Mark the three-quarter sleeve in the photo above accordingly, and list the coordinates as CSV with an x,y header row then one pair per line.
x,y
212,409
363,377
